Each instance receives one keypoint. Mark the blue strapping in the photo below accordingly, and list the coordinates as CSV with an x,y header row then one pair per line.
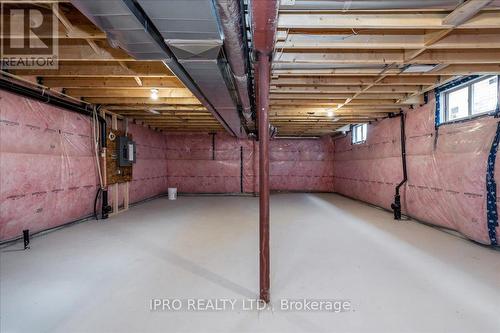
x,y
491,189
497,110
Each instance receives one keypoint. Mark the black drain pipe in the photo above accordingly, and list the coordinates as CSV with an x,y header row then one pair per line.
x,y
396,206
26,239
83,109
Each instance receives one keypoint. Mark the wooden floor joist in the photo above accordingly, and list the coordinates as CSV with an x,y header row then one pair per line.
x,y
90,69
331,68
336,66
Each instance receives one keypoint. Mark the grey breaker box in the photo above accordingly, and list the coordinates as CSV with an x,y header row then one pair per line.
x,y
126,151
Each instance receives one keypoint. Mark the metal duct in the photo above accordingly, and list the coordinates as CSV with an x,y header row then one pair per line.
x,y
192,32
122,28
235,50
184,35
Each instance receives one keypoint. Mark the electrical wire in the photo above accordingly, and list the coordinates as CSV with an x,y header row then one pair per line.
x,y
99,191
95,132
96,138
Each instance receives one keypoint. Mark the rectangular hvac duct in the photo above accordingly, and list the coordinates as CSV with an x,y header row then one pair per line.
x,y
192,31
184,34
122,28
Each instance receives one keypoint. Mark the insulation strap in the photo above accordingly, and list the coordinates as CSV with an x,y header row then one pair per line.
x,y
491,190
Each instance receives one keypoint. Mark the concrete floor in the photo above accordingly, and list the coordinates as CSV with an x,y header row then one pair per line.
x,y
399,277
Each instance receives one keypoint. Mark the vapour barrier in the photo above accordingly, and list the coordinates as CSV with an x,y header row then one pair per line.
x,y
370,171
446,169
301,165
219,163
47,166
48,173
209,163
150,170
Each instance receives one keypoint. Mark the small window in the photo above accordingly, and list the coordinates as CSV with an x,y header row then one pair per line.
x,y
485,95
473,98
359,133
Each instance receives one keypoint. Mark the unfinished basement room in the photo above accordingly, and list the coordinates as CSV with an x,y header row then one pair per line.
x,y
249,166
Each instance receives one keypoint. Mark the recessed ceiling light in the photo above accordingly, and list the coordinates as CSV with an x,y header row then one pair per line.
x,y
330,114
154,94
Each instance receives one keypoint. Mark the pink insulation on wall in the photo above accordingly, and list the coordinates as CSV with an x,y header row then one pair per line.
x,y
209,163
150,169
446,169
47,167
370,171
219,163
48,173
301,165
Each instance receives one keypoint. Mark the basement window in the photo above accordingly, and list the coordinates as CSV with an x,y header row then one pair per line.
x,y
358,133
476,97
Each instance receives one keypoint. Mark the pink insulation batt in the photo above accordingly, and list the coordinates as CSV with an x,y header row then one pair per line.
x,y
195,166
301,165
446,169
47,167
48,175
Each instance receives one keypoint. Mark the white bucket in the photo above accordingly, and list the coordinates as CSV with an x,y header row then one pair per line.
x,y
172,193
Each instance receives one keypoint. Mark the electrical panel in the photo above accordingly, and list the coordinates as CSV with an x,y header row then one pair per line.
x,y
126,151
120,157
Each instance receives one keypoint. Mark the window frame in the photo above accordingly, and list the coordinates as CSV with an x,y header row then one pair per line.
x,y
364,133
469,85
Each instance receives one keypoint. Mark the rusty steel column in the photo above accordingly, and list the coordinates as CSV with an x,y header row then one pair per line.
x,y
263,117
264,23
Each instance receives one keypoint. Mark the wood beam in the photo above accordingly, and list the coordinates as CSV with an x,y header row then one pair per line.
x,y
100,69
352,20
469,69
137,92
101,82
346,89
142,101
342,57
333,102
80,50
310,96
464,12
76,31
469,56
161,108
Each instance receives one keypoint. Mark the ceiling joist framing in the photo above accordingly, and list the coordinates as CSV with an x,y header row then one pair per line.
x,y
330,68
355,65
92,70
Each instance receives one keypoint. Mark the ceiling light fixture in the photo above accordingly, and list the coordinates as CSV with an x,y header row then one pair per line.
x,y
154,94
153,111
